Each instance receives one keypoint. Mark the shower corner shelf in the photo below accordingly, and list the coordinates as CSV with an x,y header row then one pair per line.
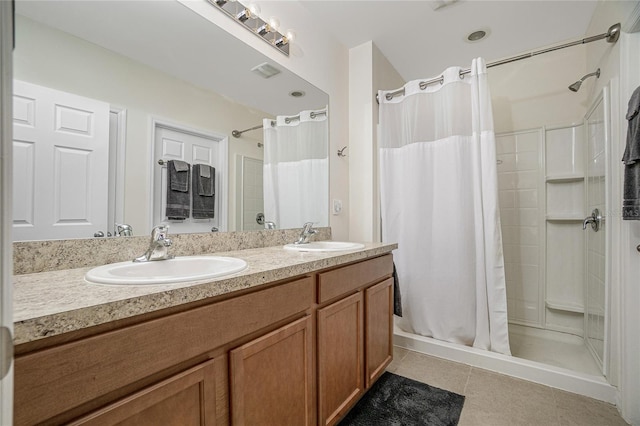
x,y
565,178
565,306
564,218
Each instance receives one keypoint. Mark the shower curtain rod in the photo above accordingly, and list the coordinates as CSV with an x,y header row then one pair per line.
x,y
612,35
238,133
314,114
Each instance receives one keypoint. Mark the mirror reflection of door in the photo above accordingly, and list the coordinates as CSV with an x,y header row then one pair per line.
x,y
250,198
60,164
180,143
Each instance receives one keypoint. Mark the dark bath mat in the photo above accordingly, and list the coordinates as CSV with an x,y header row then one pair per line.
x,y
397,401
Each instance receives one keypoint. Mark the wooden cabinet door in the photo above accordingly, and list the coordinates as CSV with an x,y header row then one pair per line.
x,y
378,329
188,398
340,357
271,378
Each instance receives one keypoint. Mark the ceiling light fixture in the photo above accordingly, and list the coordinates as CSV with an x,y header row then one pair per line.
x,y
477,35
264,29
248,17
282,41
243,15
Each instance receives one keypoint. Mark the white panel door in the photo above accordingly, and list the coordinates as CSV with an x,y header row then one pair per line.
x,y
61,164
177,144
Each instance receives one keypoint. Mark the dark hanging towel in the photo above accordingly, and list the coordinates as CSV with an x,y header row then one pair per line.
x,y
178,173
631,159
203,184
397,299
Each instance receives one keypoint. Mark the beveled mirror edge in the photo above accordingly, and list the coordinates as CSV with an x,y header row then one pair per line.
x,y
31,257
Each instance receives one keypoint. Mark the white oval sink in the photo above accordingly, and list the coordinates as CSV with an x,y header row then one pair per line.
x,y
324,246
180,269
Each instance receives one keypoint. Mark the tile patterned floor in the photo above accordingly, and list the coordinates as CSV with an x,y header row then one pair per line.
x,y
494,399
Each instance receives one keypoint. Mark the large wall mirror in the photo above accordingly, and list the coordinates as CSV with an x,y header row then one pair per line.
x,y
108,93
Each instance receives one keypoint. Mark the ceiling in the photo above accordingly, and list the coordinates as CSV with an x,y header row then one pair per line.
x,y
421,42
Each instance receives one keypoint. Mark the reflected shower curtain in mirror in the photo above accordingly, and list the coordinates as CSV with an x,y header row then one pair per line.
x,y
438,183
296,169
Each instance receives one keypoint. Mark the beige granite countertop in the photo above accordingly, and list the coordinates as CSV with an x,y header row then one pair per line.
x,y
51,303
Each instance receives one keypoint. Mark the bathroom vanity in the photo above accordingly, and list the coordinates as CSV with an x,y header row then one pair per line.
x,y
295,339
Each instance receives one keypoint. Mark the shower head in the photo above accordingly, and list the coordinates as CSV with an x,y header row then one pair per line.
x,y
576,86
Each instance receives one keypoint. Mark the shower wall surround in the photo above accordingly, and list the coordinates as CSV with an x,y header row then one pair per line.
x,y
520,195
541,186
565,278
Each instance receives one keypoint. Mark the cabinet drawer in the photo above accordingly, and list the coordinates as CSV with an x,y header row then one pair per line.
x,y
52,381
341,281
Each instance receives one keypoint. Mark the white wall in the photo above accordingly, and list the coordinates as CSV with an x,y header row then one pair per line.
x,y
318,58
620,65
52,58
360,153
534,92
385,77
626,315
6,256
369,71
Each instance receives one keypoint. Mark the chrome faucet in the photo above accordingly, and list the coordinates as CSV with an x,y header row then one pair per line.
x,y
123,230
158,246
307,231
595,220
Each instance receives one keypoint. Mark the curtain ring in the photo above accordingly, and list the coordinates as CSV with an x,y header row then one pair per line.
x,y
461,75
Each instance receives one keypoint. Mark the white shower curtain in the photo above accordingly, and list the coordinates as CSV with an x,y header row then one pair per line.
x,y
296,169
439,191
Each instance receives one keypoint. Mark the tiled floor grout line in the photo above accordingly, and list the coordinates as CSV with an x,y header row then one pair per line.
x,y
467,382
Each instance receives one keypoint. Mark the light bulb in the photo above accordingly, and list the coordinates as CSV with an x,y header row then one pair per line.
x,y
274,23
291,35
254,8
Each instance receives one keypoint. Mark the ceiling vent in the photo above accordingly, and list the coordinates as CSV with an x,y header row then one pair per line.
x,y
439,4
265,70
